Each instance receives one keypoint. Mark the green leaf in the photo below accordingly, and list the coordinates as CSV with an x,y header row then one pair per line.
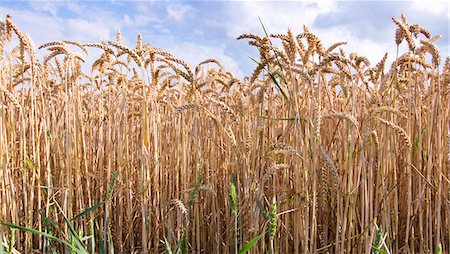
x,y
278,85
184,244
110,242
49,223
282,77
100,239
73,233
85,238
250,243
2,249
378,250
273,78
438,249
264,28
12,239
278,61
50,226
90,209
37,232
254,60
167,246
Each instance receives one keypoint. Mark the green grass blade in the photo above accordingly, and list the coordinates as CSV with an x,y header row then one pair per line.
x,y
378,250
182,245
110,242
251,243
50,225
282,77
74,235
264,28
2,249
167,246
89,210
278,61
438,249
85,238
100,239
37,232
11,240
273,78
107,198
278,85
254,60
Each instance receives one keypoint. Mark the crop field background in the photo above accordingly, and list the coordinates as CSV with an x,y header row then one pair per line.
x,y
316,151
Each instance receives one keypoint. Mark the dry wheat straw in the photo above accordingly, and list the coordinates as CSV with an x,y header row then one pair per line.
x,y
142,111
398,129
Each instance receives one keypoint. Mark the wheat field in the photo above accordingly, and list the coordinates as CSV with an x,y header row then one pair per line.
x,y
316,151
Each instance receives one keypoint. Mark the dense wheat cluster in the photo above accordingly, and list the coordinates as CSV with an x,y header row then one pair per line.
x,y
321,150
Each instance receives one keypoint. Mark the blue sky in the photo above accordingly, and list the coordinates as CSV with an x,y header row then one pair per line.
x,y
197,30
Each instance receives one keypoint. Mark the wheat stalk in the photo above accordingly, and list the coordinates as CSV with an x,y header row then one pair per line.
x,y
398,129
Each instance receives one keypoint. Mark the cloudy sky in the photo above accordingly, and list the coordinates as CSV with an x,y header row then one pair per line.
x,y
197,30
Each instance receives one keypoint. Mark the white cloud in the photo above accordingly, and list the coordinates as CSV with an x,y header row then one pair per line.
x,y
367,47
431,6
85,27
178,12
77,8
276,17
198,32
139,20
195,53
40,27
157,21
50,7
88,30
